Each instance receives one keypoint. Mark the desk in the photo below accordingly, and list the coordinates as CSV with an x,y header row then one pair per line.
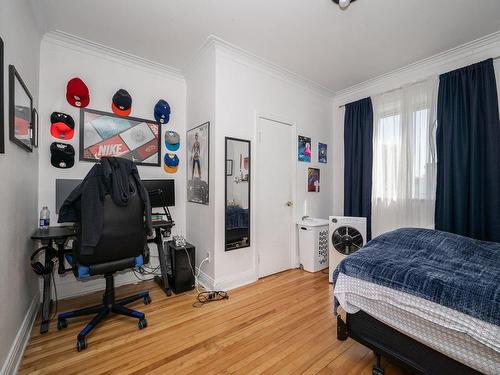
x,y
48,237
159,227
59,235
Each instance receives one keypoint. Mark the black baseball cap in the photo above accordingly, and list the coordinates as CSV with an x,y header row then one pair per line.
x,y
62,155
122,103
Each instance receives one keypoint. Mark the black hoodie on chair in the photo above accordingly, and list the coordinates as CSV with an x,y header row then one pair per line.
x,y
110,176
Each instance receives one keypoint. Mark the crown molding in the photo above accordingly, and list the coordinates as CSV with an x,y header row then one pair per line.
x,y
195,60
84,45
468,53
250,59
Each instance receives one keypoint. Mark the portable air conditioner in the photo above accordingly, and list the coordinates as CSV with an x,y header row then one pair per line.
x,y
346,236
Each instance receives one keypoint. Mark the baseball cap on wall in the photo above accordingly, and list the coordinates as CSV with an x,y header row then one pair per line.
x,y
62,155
162,112
62,125
172,140
171,162
77,93
122,103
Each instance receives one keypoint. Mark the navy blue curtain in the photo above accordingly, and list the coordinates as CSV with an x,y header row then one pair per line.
x,y
468,153
358,160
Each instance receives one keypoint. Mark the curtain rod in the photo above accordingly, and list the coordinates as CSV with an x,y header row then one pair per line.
x,y
407,84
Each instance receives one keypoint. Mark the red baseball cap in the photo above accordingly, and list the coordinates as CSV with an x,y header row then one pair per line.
x,y
77,93
62,126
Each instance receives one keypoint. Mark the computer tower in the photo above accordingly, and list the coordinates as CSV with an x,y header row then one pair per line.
x,y
182,277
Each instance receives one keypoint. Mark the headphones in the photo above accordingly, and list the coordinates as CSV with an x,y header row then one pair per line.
x,y
38,267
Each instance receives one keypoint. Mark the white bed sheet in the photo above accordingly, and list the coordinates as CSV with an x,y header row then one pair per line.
x,y
459,336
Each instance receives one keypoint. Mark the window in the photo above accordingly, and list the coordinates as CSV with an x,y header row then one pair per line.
x,y
387,154
404,158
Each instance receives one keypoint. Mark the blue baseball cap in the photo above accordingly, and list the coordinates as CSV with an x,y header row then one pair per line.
x,y
172,140
162,112
171,163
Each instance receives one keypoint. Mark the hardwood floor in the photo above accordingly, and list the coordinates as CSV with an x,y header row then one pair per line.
x,y
282,324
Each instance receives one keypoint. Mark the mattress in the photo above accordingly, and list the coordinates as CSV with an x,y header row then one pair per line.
x,y
460,273
462,337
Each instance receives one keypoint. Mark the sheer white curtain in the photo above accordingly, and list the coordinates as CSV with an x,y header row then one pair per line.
x,y
404,158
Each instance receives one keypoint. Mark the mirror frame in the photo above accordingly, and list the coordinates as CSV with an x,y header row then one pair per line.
x,y
13,77
2,100
249,191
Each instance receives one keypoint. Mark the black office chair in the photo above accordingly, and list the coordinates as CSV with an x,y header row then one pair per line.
x,y
121,246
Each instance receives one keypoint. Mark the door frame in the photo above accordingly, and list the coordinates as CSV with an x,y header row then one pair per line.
x,y
293,168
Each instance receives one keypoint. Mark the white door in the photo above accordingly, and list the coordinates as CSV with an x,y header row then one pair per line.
x,y
274,196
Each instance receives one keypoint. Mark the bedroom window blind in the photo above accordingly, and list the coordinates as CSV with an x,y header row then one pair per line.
x,y
404,158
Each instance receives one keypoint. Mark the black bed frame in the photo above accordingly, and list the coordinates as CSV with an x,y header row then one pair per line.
x,y
407,352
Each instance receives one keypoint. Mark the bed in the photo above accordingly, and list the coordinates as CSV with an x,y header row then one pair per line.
x,y
237,224
429,300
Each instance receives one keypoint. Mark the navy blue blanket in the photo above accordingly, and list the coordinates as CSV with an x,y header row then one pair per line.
x,y
236,217
454,271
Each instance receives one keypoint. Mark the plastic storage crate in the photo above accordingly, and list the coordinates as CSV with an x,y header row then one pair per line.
x,y
313,244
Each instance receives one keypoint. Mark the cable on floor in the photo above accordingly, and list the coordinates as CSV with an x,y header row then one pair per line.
x,y
208,296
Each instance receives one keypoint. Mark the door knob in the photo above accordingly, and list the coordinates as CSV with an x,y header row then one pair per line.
x,y
289,203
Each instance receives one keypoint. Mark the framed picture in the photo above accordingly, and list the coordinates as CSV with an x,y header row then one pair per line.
x,y
322,153
229,167
304,149
198,154
313,180
34,121
20,111
106,134
2,132
244,167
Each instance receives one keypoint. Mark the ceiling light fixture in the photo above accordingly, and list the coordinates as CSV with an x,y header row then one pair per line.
x,y
343,4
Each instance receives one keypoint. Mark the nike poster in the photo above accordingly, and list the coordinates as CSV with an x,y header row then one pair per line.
x,y
106,134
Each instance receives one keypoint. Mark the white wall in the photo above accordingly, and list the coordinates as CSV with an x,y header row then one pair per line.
x,y
200,220
18,186
104,74
488,47
245,88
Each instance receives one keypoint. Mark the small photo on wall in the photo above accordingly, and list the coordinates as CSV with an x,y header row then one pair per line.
x,y
322,152
313,180
304,149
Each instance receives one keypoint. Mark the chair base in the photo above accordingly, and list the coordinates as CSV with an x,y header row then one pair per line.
x,y
109,305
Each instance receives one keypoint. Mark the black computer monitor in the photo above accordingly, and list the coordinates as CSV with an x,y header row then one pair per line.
x,y
168,189
65,186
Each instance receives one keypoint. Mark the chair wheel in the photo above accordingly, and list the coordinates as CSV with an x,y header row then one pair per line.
x,y
377,371
147,300
81,344
61,324
143,323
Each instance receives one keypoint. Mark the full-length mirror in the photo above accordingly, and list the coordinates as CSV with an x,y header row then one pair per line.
x,y
237,193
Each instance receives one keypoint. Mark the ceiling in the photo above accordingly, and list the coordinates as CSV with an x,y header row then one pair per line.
x,y
313,38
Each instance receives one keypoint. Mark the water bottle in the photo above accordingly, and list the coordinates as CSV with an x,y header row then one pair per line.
x,y
44,218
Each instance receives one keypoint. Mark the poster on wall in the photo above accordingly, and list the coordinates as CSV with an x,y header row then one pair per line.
x,y
313,180
2,141
106,134
322,153
198,162
304,149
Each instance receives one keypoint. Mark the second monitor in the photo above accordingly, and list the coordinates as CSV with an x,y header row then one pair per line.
x,y
168,189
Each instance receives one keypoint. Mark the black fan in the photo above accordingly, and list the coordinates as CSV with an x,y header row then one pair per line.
x,y
346,240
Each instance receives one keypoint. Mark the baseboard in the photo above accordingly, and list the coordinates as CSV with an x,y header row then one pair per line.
x,y
233,282
205,281
16,352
